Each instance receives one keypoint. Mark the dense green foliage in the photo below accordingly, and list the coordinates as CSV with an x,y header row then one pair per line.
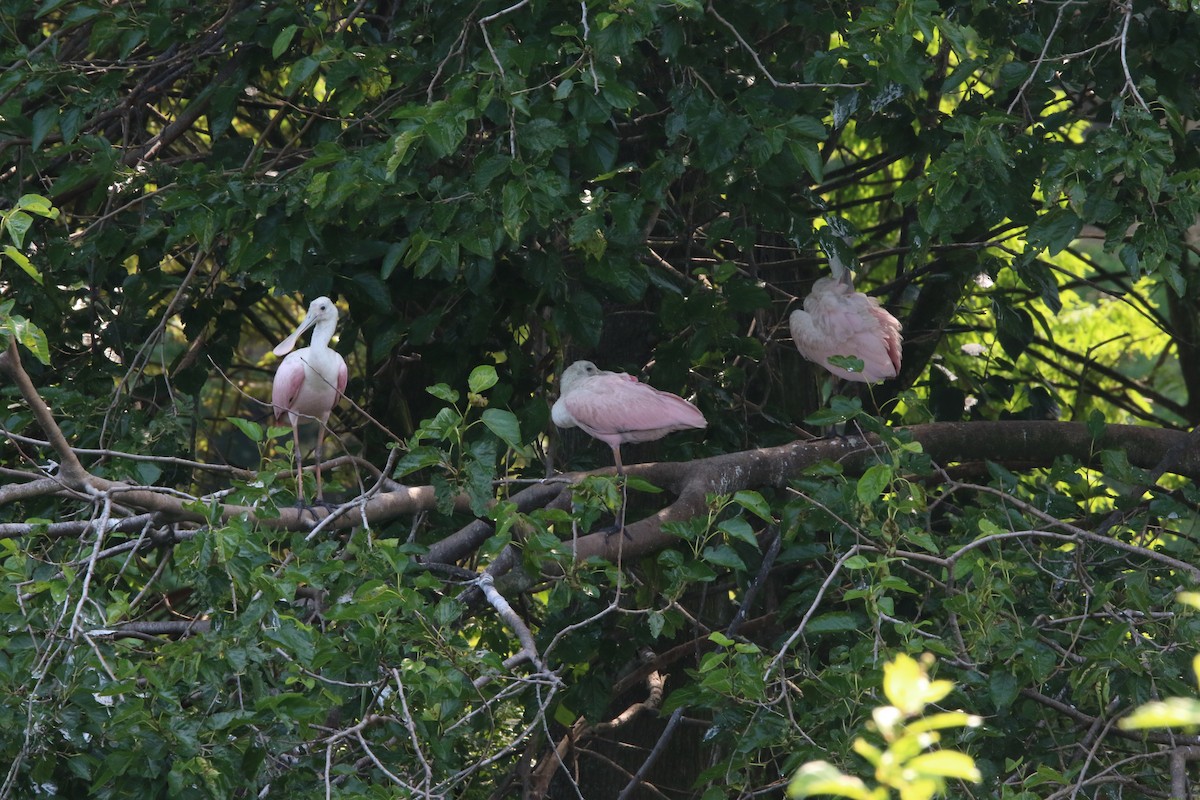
x,y
491,191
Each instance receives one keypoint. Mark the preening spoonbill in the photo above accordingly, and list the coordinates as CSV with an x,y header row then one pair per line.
x,y
310,381
838,321
616,408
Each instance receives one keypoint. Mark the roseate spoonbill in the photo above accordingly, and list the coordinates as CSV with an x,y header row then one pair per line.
x,y
838,321
615,408
309,382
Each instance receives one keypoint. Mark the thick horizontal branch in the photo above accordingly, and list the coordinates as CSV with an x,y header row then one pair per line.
x,y
1018,442
1028,443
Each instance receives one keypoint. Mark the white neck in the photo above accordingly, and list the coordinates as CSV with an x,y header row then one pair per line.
x,y
323,332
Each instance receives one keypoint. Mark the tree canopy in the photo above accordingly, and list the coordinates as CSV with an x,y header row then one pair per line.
x,y
493,190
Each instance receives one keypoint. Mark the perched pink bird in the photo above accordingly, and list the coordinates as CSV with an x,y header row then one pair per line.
x,y
616,408
838,321
310,381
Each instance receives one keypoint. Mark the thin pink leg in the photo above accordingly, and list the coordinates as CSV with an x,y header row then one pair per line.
x,y
299,465
318,456
624,489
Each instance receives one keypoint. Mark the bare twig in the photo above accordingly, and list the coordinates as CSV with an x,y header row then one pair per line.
x,y
766,73
1127,15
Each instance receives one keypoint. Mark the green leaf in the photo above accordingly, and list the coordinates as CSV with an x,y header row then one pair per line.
x,y
505,425
848,363
416,459
1014,328
1003,688
946,764
148,472
809,155
482,378
37,204
1189,598
1174,712
908,687
1055,230
443,392
18,223
401,146
44,121
834,622
720,639
252,430
638,484
942,721
23,262
821,777
754,503
512,209
30,336
723,555
871,485
564,716
283,40
808,126
300,72
738,528
391,258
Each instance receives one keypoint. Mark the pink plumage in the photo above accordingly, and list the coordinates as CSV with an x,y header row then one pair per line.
x,y
838,321
297,396
310,381
616,408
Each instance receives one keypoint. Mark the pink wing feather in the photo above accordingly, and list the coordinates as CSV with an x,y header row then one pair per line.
x,y
837,321
617,408
289,378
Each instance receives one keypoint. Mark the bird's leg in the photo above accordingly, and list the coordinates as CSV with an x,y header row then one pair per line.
x,y
299,466
320,501
624,492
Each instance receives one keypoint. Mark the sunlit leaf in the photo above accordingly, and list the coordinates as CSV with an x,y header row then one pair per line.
x,y
23,262
946,764
822,778
1175,712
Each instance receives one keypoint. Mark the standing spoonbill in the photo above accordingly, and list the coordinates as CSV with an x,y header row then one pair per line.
x,y
838,321
309,382
615,408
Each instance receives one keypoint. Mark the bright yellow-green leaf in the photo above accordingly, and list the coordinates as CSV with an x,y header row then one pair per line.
x,y
908,687
921,789
23,262
821,777
868,751
946,719
946,764
1189,598
1174,712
